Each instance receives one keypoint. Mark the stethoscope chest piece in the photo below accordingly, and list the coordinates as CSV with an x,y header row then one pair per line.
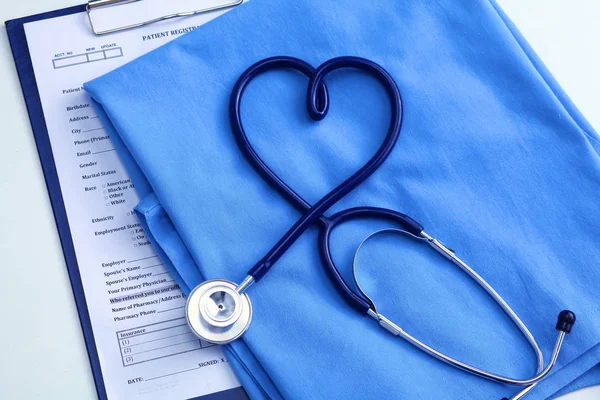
x,y
217,313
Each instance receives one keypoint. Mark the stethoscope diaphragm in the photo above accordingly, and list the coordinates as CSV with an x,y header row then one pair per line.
x,y
217,313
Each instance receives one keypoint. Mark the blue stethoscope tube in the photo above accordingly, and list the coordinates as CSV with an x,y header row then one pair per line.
x,y
220,311
317,102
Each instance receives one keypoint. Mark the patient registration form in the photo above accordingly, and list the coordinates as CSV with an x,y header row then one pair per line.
x,y
145,348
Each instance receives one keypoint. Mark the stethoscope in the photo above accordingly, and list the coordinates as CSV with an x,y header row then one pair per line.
x,y
219,311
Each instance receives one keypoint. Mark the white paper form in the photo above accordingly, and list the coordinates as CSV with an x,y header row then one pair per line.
x,y
145,348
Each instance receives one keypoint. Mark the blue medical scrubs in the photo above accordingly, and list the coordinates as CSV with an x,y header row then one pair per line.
x,y
493,159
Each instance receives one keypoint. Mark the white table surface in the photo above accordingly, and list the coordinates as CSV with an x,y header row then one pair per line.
x,y
43,354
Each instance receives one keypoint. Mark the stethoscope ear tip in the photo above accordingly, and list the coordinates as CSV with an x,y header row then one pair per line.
x,y
566,320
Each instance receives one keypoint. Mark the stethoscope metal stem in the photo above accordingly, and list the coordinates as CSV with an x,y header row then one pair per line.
x,y
566,319
397,331
449,254
245,284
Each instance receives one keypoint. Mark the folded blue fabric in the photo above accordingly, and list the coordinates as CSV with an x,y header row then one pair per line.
x,y
493,159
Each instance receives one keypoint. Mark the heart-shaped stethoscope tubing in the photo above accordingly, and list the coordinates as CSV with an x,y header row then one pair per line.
x,y
219,311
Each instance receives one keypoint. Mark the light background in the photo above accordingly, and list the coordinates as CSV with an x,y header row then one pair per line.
x,y
42,352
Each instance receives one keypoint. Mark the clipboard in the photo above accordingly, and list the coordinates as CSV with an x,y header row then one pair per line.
x,y
25,70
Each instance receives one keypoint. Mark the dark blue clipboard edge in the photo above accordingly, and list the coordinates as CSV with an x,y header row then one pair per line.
x,y
22,58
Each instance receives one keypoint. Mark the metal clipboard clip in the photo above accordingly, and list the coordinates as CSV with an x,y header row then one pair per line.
x,y
95,4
